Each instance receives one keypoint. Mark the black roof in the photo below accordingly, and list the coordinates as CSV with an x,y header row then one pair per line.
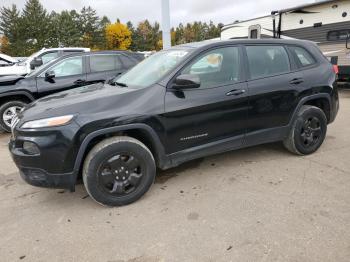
x,y
214,43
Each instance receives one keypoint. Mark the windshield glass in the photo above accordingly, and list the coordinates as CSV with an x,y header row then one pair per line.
x,y
152,69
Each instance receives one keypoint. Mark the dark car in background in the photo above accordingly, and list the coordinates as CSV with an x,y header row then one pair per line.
x,y
180,104
63,73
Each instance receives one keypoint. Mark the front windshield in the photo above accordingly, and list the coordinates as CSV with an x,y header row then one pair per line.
x,y
152,69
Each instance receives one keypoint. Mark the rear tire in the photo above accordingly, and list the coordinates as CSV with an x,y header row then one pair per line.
x,y
8,111
118,171
308,131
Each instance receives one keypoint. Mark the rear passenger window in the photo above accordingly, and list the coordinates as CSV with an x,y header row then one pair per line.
x,y
267,61
302,57
100,63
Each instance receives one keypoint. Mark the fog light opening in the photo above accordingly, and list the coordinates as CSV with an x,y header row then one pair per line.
x,y
30,148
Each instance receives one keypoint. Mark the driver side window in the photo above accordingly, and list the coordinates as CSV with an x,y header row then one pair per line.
x,y
69,67
217,67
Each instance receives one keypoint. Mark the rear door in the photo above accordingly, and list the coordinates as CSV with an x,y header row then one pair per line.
x,y
103,67
214,112
273,87
69,73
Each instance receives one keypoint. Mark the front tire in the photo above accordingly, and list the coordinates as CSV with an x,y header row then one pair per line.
x,y
118,171
8,111
308,131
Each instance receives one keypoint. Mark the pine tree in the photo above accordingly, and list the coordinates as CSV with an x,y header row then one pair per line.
x,y
10,28
88,25
65,29
35,26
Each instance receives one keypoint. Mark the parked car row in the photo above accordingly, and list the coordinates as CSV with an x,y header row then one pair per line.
x,y
37,59
183,103
60,73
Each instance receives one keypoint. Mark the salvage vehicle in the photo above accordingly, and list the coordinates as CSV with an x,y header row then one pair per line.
x,y
39,58
6,60
63,73
180,104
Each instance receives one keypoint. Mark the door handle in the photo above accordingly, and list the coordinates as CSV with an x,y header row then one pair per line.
x,y
79,82
235,92
296,81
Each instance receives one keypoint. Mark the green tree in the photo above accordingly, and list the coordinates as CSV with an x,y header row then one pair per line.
x,y
35,25
64,30
88,26
10,28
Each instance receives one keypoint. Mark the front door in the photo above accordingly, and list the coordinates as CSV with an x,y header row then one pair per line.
x,y
214,112
66,74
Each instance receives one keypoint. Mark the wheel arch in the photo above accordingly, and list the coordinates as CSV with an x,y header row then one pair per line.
x,y
16,95
322,101
141,132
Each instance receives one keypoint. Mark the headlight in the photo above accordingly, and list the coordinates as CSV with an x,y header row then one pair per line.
x,y
48,122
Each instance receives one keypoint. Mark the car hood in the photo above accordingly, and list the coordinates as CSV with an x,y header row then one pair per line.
x,y
10,80
93,101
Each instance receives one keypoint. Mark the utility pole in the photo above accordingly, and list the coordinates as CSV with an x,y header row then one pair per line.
x,y
166,24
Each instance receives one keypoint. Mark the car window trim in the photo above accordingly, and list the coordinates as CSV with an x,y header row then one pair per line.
x,y
242,79
315,64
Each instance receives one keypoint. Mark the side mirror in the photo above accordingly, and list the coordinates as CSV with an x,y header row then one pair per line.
x,y
36,62
49,75
187,81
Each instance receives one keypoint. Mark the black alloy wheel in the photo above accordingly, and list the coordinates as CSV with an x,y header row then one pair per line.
x,y
118,171
121,174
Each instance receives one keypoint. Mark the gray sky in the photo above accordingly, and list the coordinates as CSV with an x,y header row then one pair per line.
x,y
225,11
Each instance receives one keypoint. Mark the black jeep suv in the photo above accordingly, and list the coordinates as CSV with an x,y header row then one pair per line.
x,y
180,104
66,72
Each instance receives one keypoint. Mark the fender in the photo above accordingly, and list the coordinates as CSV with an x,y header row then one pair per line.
x,y
163,160
306,99
23,93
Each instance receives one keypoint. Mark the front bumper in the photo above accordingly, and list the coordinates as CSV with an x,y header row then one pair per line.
x,y
52,165
40,178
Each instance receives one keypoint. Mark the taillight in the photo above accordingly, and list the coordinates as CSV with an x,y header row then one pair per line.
x,y
336,69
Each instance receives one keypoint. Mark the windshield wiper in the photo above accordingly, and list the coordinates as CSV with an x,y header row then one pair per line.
x,y
120,84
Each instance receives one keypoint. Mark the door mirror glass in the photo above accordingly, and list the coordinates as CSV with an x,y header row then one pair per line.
x,y
187,81
49,75
36,62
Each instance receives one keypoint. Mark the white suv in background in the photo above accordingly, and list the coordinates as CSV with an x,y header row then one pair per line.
x,y
37,59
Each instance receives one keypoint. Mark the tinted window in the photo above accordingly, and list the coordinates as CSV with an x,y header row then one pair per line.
x,y
68,67
302,57
128,61
267,61
217,67
100,63
47,57
338,35
254,34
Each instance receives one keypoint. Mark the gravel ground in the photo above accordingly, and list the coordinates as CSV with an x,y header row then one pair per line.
x,y
256,204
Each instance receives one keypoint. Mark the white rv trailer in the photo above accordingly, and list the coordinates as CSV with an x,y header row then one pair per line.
x,y
325,22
